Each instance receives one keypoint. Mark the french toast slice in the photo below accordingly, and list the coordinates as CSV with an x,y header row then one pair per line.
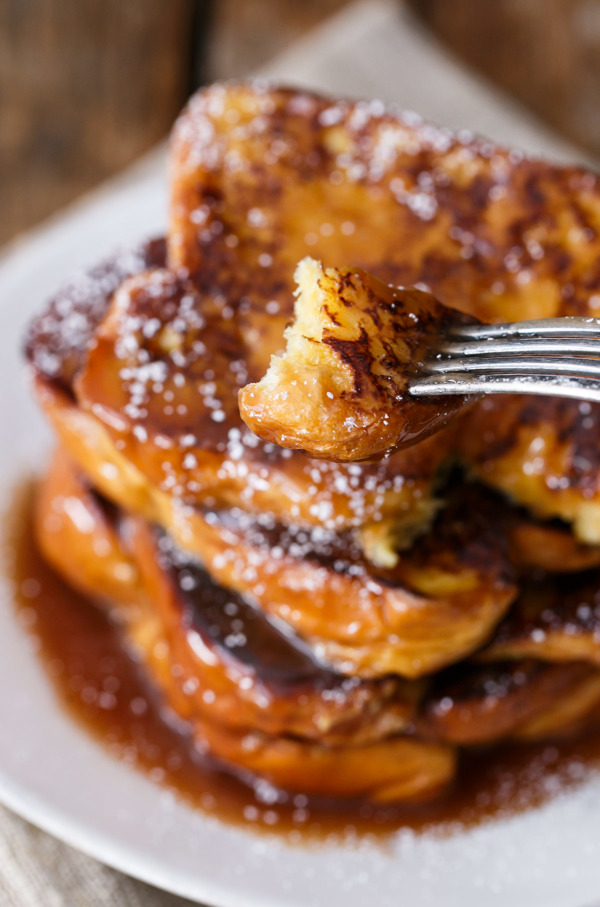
x,y
441,600
325,594
526,699
76,533
547,546
167,394
235,469
553,619
267,707
488,231
58,339
340,389
254,697
256,675
262,177
402,769
543,453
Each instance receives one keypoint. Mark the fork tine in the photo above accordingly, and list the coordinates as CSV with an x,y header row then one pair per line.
x,y
505,359
522,365
520,344
544,385
543,327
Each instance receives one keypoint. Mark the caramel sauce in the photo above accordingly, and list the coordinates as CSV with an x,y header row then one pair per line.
x,y
107,692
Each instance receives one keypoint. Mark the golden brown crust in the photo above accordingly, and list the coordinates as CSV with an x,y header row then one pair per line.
x,y
573,713
555,619
542,452
257,170
283,716
267,683
340,390
401,769
441,601
74,533
537,545
523,699
162,378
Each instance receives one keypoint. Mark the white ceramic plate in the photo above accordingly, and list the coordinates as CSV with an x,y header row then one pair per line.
x,y
53,775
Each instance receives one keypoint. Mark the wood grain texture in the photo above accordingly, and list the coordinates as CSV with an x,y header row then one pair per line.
x,y
544,52
85,87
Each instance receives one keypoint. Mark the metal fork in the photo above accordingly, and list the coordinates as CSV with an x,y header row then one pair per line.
x,y
558,357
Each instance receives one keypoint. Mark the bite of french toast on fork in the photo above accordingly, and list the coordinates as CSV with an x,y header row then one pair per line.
x,y
341,388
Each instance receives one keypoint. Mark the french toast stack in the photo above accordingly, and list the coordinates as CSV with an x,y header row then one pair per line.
x,y
338,629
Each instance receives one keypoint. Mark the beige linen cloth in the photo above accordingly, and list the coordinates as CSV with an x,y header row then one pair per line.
x,y
372,49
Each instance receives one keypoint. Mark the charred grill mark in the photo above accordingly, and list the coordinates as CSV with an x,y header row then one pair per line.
x,y
331,315
345,282
382,372
373,309
356,354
